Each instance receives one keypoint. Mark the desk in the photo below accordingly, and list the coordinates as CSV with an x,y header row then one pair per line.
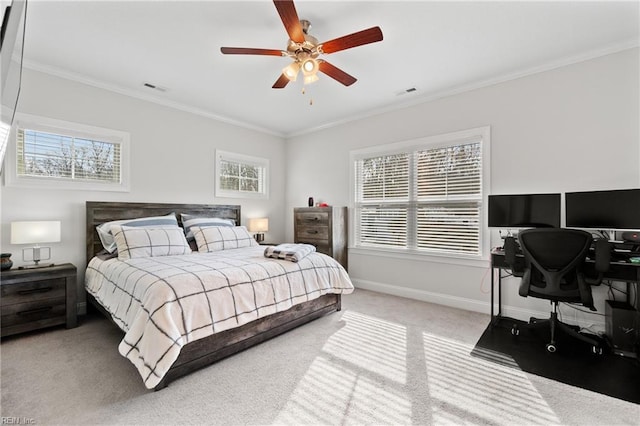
x,y
618,271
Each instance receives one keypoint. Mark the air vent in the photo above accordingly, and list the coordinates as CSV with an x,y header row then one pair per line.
x,y
405,91
154,87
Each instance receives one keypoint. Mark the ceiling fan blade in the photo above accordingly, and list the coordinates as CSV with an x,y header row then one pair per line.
x,y
289,16
370,35
281,82
336,73
251,51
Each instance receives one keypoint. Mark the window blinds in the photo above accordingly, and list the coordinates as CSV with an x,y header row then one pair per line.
x,y
425,199
61,156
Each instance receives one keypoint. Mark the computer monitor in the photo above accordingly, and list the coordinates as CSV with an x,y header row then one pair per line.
x,y
603,210
524,211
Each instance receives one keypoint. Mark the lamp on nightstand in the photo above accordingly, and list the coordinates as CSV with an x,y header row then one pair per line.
x,y
259,226
35,233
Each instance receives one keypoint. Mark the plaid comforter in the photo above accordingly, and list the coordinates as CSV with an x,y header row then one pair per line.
x,y
163,303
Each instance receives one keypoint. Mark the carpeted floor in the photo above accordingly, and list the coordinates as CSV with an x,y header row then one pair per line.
x,y
573,363
381,360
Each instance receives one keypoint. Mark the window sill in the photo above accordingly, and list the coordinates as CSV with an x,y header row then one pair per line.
x,y
476,262
52,183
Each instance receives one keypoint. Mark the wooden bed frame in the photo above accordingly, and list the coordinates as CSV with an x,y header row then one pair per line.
x,y
208,350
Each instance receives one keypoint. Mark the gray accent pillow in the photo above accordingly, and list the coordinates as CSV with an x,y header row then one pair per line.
x,y
189,221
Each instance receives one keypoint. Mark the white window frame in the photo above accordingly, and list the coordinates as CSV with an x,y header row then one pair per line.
x,y
431,142
244,159
67,128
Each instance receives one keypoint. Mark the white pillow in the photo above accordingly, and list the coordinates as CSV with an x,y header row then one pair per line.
x,y
134,242
189,221
216,238
106,235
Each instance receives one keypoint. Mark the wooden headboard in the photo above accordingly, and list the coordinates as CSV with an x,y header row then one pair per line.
x,y
99,212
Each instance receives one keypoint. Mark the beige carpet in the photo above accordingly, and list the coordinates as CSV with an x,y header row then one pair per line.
x,y
381,360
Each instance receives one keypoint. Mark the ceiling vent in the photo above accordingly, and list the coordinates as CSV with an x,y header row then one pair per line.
x,y
405,91
154,87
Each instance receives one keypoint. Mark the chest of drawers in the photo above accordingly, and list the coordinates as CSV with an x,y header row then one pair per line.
x,y
31,299
323,227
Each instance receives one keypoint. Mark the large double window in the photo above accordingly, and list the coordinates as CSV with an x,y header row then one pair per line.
x,y
423,196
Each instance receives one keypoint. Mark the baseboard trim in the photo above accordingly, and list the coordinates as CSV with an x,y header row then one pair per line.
x,y
424,296
466,304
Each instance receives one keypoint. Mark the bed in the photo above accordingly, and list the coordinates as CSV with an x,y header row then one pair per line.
x,y
175,350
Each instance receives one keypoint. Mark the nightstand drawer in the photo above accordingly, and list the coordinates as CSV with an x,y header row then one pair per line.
x,y
24,313
312,218
312,232
33,291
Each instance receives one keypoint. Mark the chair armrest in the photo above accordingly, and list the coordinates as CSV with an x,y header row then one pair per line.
x,y
510,249
602,261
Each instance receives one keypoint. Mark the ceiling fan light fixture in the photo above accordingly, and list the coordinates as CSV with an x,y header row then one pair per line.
x,y
309,66
291,71
311,78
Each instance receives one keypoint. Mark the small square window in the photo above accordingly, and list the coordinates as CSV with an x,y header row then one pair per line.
x,y
241,176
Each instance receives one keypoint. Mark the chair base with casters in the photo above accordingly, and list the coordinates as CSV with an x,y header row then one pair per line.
x,y
554,325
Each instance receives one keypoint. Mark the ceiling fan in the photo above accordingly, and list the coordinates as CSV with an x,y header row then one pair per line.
x,y
304,49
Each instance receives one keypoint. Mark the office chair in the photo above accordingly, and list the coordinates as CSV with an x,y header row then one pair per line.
x,y
554,259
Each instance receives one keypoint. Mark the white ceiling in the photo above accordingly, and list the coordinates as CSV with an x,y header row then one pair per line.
x,y
435,47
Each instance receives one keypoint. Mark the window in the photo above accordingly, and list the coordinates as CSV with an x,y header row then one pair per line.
x,y
423,196
241,176
69,155
66,157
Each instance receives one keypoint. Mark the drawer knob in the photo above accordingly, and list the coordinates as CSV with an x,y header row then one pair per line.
x,y
313,231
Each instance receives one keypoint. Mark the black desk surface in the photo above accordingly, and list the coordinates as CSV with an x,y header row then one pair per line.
x,y
618,271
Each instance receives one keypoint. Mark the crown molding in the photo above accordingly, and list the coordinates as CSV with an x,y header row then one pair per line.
x,y
429,97
78,78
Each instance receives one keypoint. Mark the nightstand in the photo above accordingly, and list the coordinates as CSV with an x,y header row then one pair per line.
x,y
32,299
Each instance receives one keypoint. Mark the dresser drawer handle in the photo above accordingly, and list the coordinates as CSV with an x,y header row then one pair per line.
x,y
35,290
313,231
35,311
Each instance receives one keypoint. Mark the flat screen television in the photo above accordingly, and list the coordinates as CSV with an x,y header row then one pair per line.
x,y
603,210
11,49
524,211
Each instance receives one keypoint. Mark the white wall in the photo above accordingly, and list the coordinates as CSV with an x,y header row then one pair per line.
x,y
569,129
172,156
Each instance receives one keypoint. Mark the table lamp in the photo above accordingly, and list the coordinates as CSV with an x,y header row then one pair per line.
x,y
259,226
35,232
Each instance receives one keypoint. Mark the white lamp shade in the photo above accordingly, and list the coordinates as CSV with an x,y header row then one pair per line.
x,y
35,232
259,224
